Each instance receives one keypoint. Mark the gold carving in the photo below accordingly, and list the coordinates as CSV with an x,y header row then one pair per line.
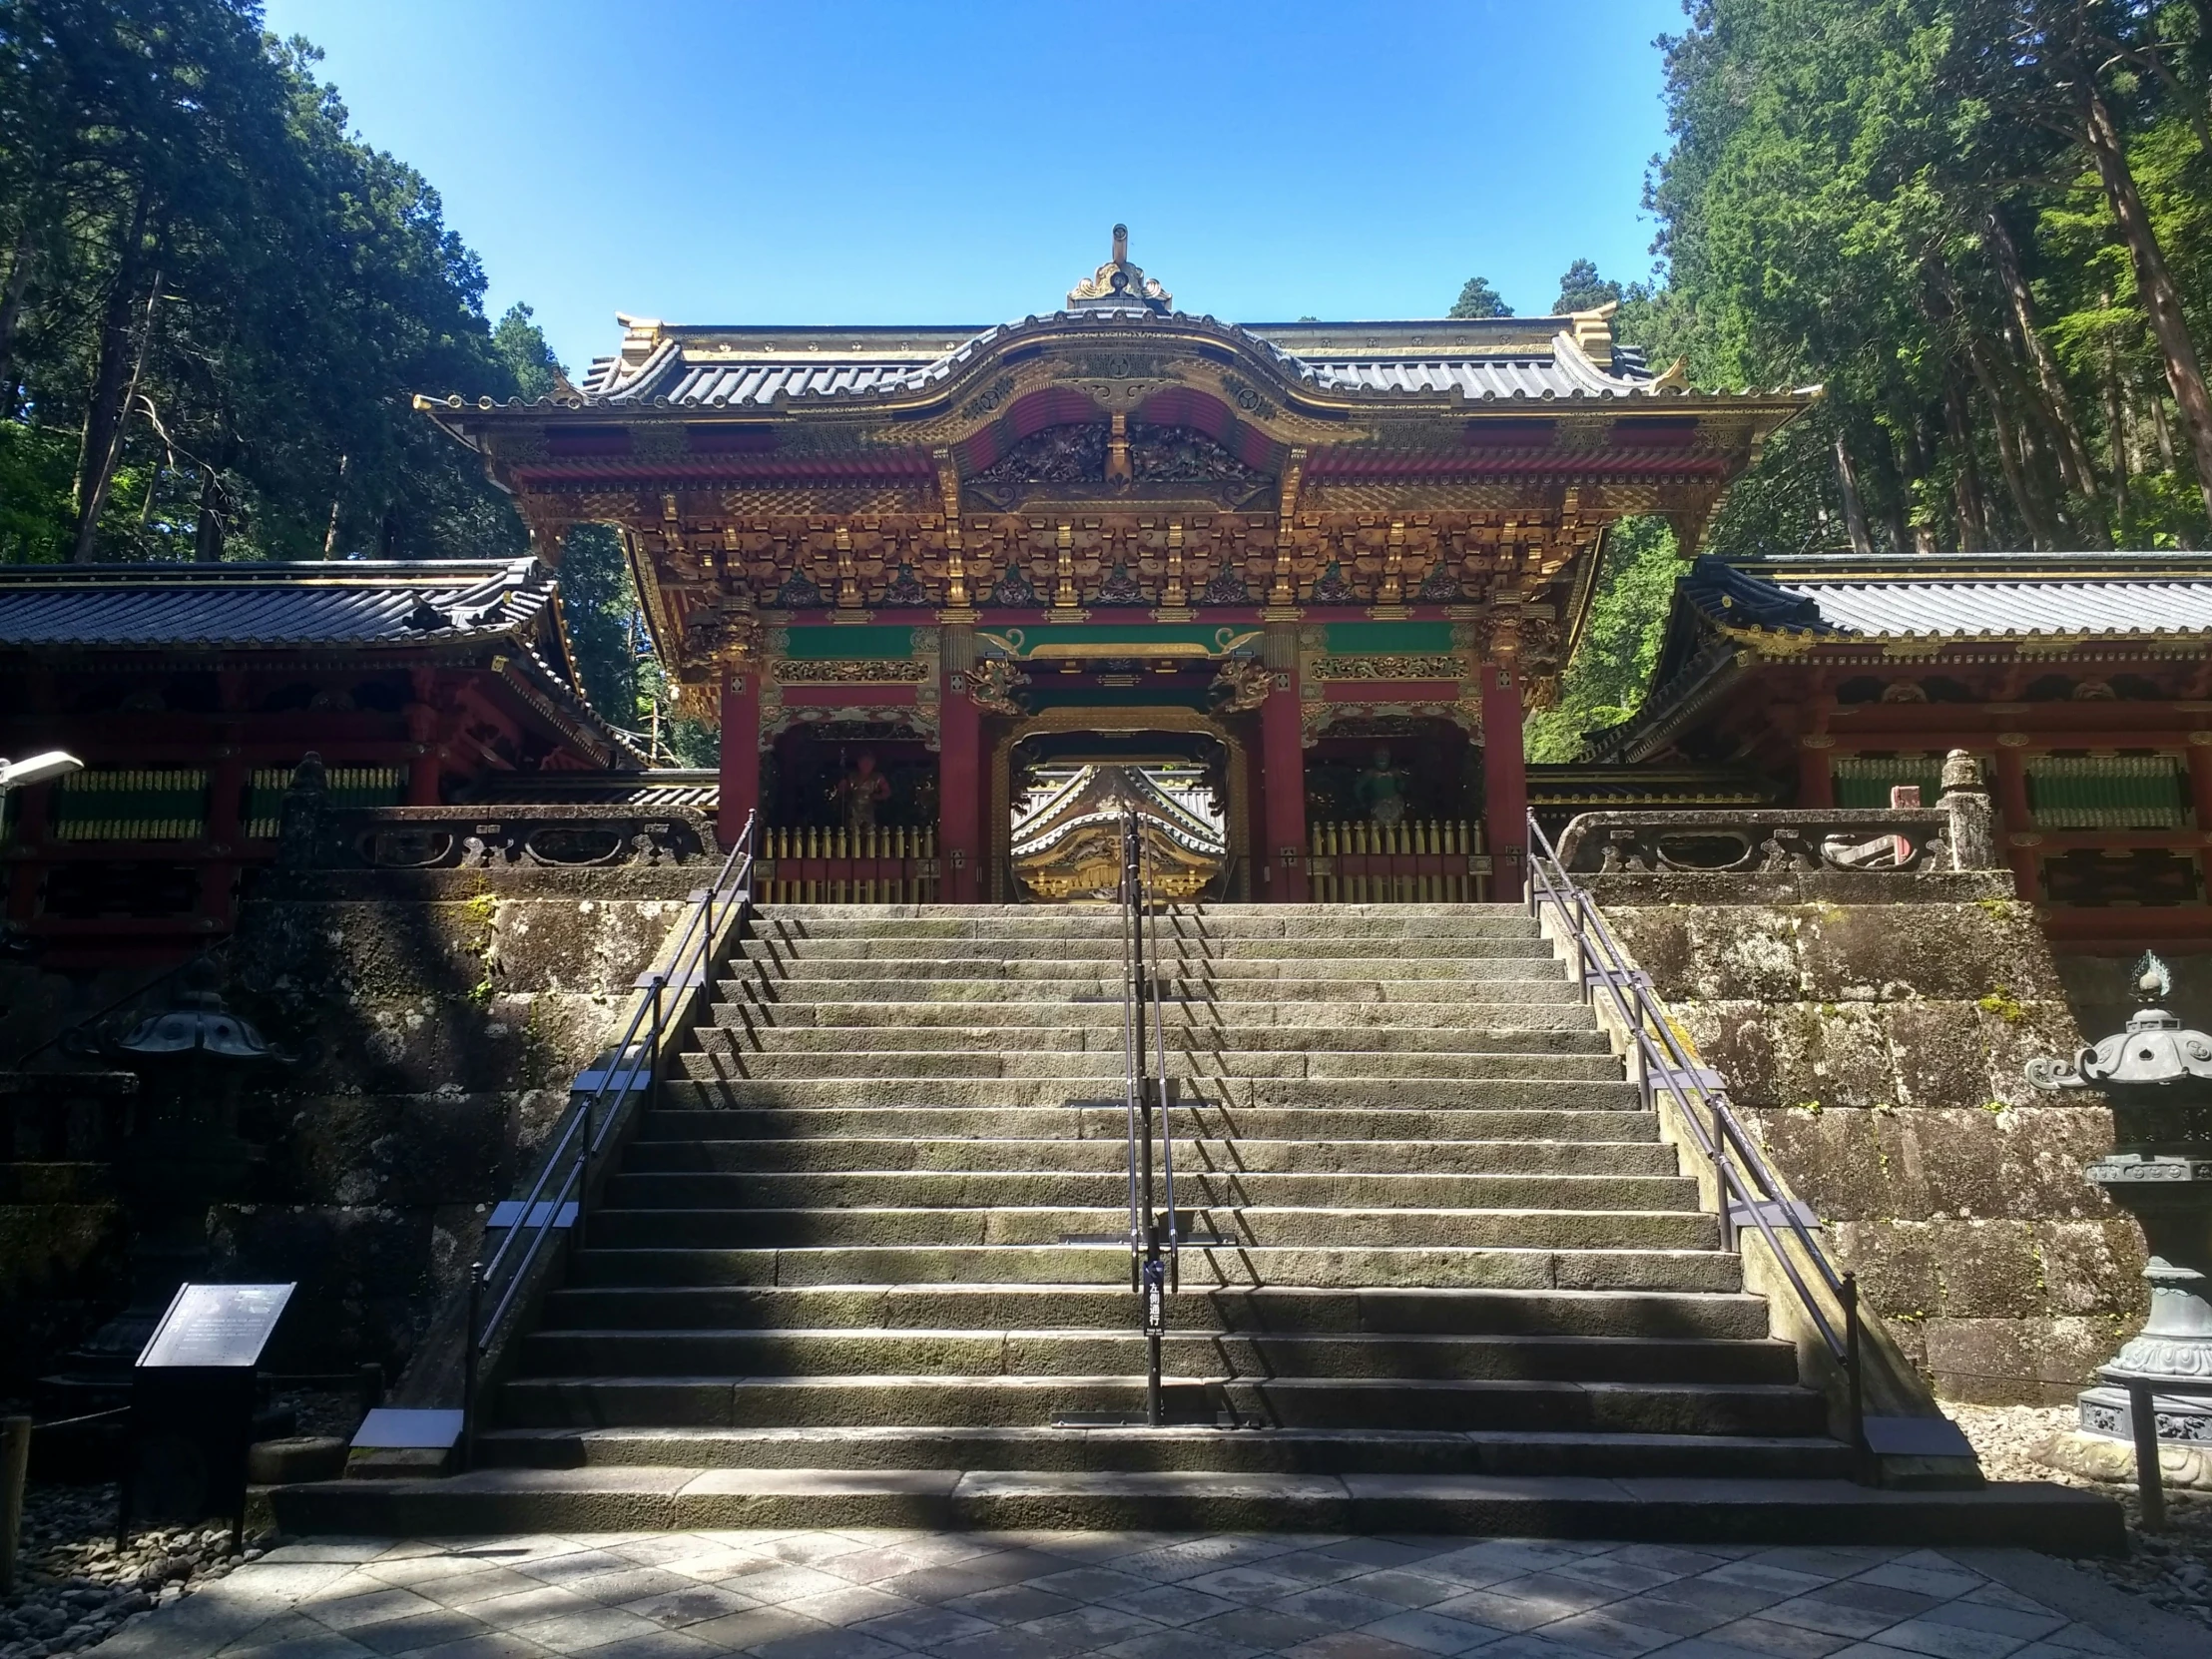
x,y
1241,686
1445,667
850,672
991,685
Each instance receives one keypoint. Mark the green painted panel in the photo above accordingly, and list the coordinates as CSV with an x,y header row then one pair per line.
x,y
1353,639
876,644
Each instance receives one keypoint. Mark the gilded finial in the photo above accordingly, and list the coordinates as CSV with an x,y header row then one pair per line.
x,y
1119,286
2152,981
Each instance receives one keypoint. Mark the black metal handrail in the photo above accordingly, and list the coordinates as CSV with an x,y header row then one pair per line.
x,y
1151,1275
1740,1172
630,1068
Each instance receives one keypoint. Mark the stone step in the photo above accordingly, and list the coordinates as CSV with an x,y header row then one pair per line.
x,y
702,1087
966,1354
1139,1449
1541,1025
1037,987
1325,921
954,1402
1104,1035
1002,1192
1053,961
1035,1307
1597,1119
1693,1269
723,1054
2040,1516
1171,949
1288,1228
1111,1157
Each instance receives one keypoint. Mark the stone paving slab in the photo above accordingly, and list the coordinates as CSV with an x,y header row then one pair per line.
x,y
882,1593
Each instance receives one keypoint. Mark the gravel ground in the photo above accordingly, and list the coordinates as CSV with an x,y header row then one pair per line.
x,y
75,1588
2172,1570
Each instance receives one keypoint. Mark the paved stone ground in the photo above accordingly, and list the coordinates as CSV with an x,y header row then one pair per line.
x,y
1060,1595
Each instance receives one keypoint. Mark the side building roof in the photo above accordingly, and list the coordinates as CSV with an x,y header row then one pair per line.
x,y
1725,615
504,613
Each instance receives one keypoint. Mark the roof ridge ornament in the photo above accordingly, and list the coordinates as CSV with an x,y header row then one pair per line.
x,y
1118,286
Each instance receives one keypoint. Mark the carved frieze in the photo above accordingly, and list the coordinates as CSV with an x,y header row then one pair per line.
x,y
1442,667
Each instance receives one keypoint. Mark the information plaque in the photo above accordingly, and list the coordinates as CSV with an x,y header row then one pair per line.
x,y
215,1324
192,1396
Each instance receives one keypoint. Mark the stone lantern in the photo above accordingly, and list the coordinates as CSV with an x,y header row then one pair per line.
x,y
2158,1077
183,1156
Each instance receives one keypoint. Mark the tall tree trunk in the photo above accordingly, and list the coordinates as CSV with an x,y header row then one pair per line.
x,y
11,316
2066,432
207,534
337,494
2184,371
1966,484
2115,422
93,489
2028,501
1894,495
1854,511
104,405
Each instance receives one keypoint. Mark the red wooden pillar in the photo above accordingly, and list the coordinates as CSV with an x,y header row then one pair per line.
x,y
1816,776
960,851
2200,794
226,828
1505,780
741,749
1282,775
425,732
2014,817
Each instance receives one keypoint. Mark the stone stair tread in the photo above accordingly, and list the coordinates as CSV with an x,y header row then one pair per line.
x,y
631,1498
1460,1276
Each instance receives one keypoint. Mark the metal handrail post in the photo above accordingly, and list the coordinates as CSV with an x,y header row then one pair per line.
x,y
1854,1374
469,1349
1165,1086
1151,1270
2150,1478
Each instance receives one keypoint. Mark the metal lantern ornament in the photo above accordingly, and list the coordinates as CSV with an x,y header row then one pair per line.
x,y
2157,1074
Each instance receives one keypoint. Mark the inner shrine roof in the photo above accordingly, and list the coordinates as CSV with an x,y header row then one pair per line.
x,y
1488,359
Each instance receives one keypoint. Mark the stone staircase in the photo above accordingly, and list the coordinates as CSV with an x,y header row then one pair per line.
x,y
1442,1274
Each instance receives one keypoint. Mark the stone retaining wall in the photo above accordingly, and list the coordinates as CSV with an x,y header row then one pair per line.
x,y
1876,1048
436,1020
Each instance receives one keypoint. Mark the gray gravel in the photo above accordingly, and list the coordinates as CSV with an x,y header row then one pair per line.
x,y
75,1588
2172,1570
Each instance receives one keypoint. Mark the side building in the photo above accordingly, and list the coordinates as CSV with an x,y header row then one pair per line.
x,y
192,692
2082,682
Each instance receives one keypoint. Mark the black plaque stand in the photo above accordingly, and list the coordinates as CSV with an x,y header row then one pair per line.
x,y
193,1395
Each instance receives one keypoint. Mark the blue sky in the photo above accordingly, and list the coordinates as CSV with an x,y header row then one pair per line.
x,y
832,160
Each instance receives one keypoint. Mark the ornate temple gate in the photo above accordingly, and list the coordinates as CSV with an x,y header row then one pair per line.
x,y
902,544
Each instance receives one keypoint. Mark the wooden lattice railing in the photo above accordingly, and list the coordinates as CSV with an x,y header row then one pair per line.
x,y
1419,862
884,864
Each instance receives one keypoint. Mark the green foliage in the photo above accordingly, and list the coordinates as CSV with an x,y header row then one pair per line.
x,y
1607,678
1581,289
222,303
1477,299
1900,200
